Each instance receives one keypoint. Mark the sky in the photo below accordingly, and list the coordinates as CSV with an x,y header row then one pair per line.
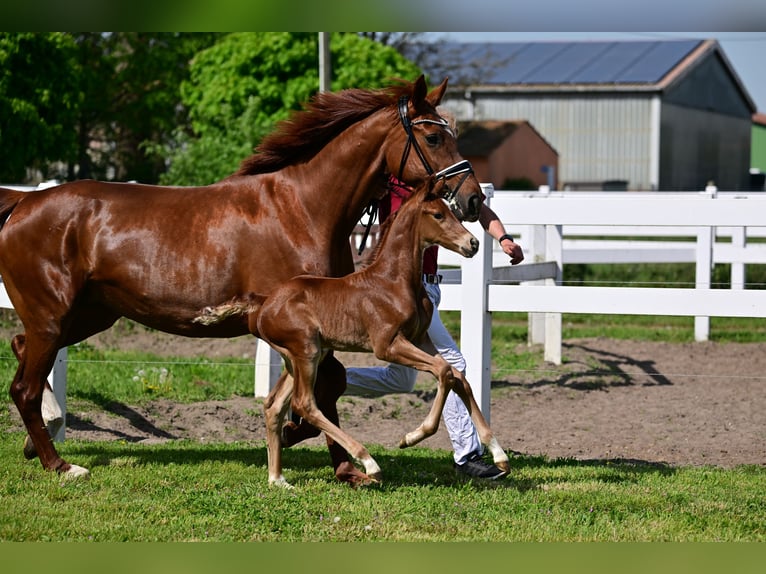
x,y
745,51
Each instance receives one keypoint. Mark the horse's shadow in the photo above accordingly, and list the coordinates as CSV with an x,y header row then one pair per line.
x,y
611,370
401,468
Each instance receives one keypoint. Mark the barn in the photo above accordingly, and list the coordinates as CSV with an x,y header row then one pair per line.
x,y
509,155
638,115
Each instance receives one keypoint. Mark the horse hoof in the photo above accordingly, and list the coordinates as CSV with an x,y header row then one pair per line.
x,y
281,483
403,443
30,451
75,472
368,480
354,477
504,465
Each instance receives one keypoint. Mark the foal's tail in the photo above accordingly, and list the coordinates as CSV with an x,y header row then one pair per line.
x,y
9,199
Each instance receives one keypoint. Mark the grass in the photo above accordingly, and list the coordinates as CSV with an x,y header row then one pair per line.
x,y
184,491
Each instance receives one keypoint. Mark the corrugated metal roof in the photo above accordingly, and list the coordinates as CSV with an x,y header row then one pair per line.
x,y
536,63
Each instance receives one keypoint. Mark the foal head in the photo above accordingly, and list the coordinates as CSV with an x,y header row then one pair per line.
x,y
437,223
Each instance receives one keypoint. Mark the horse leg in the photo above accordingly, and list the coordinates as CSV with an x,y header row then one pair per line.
x,y
430,424
304,404
53,416
487,437
330,384
37,355
274,408
85,323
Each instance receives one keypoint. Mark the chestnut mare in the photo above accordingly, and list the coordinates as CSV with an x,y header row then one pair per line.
x,y
382,308
76,257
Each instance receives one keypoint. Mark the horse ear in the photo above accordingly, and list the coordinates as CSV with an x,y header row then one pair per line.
x,y
436,95
419,91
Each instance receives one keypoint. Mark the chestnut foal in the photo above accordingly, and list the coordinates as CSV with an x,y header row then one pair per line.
x,y
382,308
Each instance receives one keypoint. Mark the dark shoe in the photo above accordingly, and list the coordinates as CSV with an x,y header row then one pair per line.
x,y
475,467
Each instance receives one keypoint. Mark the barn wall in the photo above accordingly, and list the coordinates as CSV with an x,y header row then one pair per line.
x,y
598,137
698,146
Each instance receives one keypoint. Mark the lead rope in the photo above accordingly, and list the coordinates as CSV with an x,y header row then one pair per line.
x,y
372,212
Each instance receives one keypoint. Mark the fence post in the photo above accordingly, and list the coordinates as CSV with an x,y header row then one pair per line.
x,y
738,239
554,244
704,266
268,367
535,252
475,319
57,381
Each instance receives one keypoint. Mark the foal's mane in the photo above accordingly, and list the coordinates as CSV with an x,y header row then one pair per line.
x,y
327,114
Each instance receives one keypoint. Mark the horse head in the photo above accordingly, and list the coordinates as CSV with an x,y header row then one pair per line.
x,y
437,223
433,138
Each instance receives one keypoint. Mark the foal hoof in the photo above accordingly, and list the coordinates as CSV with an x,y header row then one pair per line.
x,y
281,483
354,477
75,472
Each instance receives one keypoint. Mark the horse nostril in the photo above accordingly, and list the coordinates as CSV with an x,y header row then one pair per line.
x,y
474,204
474,244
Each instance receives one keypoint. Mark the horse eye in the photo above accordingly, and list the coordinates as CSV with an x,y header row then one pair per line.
x,y
438,215
432,139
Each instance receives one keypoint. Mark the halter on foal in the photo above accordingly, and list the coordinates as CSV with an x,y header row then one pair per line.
x,y
381,308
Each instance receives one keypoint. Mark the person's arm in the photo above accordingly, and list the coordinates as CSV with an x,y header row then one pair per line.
x,y
492,224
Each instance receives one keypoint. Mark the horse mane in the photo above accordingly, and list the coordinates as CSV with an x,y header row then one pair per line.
x,y
301,136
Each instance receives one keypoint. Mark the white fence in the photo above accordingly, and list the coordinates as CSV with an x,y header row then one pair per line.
x,y
543,217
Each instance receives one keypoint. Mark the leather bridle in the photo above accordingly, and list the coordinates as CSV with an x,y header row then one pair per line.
x,y
463,167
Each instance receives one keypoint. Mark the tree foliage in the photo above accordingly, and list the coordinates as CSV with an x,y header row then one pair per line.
x,y
130,83
240,87
39,101
129,105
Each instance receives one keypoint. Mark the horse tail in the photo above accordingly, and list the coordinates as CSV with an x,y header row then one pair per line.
x,y
9,199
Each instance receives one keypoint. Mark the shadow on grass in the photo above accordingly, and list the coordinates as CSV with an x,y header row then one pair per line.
x,y
417,467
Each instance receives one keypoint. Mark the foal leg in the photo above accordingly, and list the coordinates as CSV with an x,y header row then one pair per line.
x,y
403,352
487,437
274,408
304,404
329,386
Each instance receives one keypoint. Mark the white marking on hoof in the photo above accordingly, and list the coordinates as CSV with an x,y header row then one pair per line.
x,y
280,482
76,473
413,437
499,457
372,469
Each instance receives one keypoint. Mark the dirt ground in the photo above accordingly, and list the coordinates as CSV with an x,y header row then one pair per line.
x,y
676,404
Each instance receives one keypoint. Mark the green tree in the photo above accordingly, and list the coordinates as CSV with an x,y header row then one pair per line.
x,y
39,103
130,83
240,87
